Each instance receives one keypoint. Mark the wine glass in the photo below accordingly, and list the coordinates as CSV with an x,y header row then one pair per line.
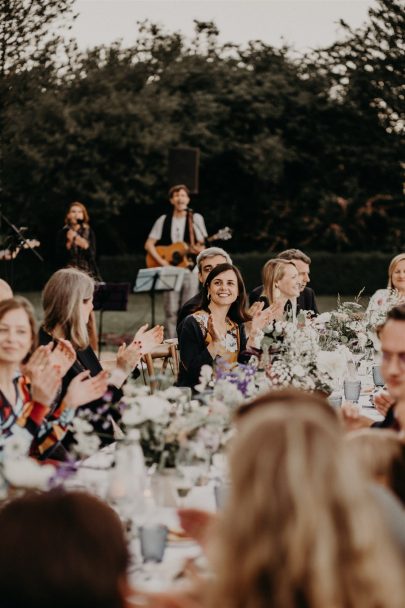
x,y
357,354
191,466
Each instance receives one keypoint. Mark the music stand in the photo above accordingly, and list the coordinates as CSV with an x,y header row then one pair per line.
x,y
109,297
163,278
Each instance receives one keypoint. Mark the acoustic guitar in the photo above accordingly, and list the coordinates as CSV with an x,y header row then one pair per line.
x,y
178,254
11,254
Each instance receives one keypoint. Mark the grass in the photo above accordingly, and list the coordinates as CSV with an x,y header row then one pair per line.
x,y
139,312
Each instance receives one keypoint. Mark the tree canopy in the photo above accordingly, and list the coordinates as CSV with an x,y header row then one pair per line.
x,y
293,152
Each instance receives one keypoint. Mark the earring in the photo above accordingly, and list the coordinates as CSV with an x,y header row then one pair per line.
x,y
209,298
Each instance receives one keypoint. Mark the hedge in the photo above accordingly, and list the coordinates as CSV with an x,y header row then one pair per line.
x,y
331,273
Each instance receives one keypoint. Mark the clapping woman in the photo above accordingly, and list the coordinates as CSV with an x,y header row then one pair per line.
x,y
29,382
280,288
379,302
217,330
67,301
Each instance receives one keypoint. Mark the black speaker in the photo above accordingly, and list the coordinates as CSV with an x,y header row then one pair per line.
x,y
111,296
184,167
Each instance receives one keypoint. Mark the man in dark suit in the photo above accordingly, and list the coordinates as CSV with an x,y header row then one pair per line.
x,y
306,300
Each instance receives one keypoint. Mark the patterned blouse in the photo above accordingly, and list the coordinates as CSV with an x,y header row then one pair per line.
x,y
46,429
229,345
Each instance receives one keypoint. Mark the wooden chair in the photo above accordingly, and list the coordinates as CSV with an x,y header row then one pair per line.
x,y
168,354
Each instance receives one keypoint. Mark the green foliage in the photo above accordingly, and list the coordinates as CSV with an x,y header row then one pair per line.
x,y
25,27
331,273
293,153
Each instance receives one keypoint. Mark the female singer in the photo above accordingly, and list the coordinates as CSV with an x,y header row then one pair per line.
x,y
76,242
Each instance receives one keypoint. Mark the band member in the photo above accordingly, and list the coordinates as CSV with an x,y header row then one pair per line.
x,y
76,242
76,248
179,226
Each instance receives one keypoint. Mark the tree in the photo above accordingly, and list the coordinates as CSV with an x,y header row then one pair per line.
x,y
27,29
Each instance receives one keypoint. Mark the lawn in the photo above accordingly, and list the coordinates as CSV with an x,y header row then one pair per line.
x,y
139,312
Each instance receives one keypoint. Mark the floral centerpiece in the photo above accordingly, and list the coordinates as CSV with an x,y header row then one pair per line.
x,y
378,313
231,385
166,421
295,361
344,326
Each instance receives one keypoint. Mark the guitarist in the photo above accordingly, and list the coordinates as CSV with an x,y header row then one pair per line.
x,y
180,225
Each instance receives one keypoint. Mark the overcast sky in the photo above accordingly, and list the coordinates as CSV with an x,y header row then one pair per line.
x,y
302,23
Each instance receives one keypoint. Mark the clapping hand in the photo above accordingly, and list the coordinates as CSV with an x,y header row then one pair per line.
x,y
276,310
352,419
255,308
383,401
129,356
63,355
39,357
149,339
45,377
84,389
213,329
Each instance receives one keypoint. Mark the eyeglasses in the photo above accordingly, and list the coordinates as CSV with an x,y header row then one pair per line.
x,y
388,357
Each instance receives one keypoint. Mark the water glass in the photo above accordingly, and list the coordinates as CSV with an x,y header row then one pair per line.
x,y
377,377
351,389
153,541
335,400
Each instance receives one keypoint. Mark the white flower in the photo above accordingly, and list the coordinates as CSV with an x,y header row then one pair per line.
x,y
325,317
26,473
131,390
133,416
153,407
173,392
17,446
86,444
81,426
298,370
333,362
206,373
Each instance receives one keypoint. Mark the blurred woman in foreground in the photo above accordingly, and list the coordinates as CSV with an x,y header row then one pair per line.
x,y
299,529
64,550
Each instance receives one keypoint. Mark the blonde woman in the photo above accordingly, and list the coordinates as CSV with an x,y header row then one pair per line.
x,y
300,528
395,291
68,301
280,288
